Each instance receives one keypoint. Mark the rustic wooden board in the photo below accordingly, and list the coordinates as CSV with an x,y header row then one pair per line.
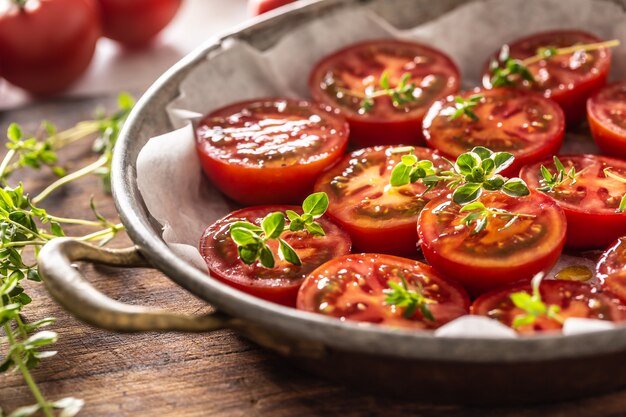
x,y
169,374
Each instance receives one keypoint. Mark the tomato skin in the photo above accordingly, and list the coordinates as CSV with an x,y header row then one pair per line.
x,y
357,210
257,7
39,54
446,135
370,129
265,184
481,272
585,229
352,287
134,23
280,284
613,260
572,93
609,136
574,299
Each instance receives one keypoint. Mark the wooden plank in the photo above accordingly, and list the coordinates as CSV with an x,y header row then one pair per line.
x,y
168,374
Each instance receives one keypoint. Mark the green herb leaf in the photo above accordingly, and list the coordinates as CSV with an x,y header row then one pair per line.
x,y
266,256
466,162
515,187
467,193
316,204
400,175
273,225
243,236
286,252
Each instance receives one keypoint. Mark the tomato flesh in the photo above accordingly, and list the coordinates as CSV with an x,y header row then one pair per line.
x,y
567,79
379,218
591,205
279,284
613,260
269,151
502,252
525,124
352,288
359,67
574,299
606,112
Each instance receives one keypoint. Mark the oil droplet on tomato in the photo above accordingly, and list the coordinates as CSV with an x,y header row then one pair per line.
x,y
574,273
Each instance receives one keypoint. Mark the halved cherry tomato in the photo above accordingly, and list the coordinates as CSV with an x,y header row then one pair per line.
x,y
591,204
567,79
613,260
269,150
574,299
379,218
359,67
526,124
352,288
606,112
279,284
504,251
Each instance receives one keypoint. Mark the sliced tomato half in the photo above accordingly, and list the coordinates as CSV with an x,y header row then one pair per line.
x,y
358,68
525,124
505,251
591,203
606,112
269,150
379,218
353,288
574,299
279,284
567,79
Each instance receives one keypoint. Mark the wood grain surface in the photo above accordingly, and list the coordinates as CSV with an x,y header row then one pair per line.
x,y
166,374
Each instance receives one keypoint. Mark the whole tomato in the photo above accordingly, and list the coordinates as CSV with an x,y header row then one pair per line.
x,y
134,23
257,7
46,45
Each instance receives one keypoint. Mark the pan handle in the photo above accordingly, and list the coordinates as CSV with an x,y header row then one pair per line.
x,y
66,284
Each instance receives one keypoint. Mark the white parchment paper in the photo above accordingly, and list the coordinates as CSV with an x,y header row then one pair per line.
x,y
469,34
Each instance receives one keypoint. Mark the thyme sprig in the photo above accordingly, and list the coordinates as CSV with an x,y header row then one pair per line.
x,y
533,306
464,107
479,215
251,240
400,94
506,70
25,227
473,172
557,179
611,174
409,298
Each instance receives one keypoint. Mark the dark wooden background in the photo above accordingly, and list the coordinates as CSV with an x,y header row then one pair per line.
x,y
168,374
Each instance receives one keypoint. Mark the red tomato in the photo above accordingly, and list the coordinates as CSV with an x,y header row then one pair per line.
x,y
504,251
359,68
279,284
606,112
574,299
567,79
615,285
46,45
135,23
352,288
269,150
591,205
522,123
613,260
379,218
257,7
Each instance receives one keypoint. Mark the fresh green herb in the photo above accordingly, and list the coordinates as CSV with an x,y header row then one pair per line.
x,y
471,174
400,95
533,305
25,228
479,216
409,298
251,240
464,107
505,71
561,175
610,174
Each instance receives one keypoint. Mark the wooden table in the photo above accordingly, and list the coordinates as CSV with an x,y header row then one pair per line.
x,y
169,374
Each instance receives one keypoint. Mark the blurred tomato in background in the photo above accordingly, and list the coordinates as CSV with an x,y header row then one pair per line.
x,y
45,45
134,23
257,7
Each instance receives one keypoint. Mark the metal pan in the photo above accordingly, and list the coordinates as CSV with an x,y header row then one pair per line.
x,y
412,364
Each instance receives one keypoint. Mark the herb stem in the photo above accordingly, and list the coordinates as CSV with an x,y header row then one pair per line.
x,y
572,49
377,93
102,233
74,134
5,163
75,221
100,162
28,378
